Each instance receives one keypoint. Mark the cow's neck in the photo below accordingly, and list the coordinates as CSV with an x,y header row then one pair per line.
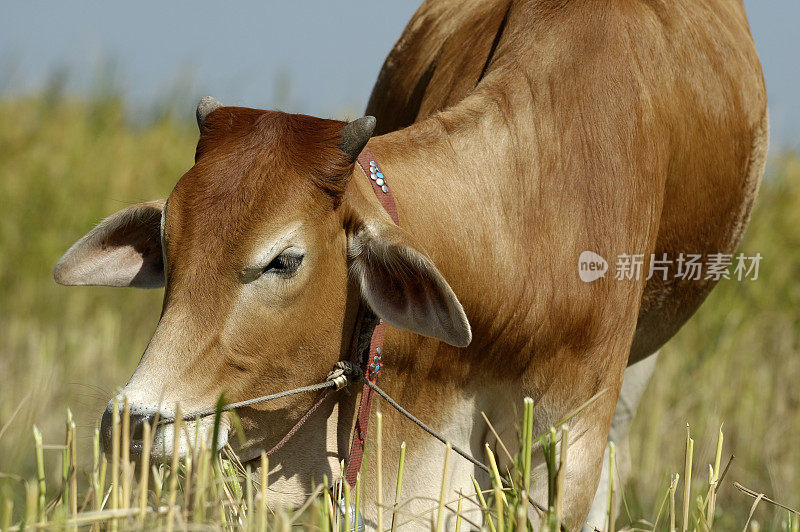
x,y
442,188
456,194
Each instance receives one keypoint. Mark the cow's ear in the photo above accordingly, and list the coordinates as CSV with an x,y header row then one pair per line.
x,y
123,250
403,287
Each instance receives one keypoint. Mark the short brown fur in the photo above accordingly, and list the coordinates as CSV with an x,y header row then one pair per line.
x,y
514,136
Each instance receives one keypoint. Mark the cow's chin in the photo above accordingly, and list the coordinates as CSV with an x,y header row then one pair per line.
x,y
193,434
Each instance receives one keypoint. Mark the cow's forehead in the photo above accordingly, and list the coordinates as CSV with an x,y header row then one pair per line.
x,y
288,138
218,217
242,147
255,169
240,176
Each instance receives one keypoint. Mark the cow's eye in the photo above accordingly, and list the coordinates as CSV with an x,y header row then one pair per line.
x,y
285,264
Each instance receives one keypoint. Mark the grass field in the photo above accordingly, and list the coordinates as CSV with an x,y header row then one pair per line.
x,y
64,165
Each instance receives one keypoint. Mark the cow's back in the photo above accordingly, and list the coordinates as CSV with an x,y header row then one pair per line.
x,y
705,76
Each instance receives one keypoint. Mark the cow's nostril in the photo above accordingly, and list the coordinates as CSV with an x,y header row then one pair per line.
x,y
137,426
136,429
105,431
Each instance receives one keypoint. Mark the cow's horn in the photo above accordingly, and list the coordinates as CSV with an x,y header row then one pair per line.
x,y
355,136
204,108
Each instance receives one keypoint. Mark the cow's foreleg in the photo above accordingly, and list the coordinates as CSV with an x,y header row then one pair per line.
x,y
635,381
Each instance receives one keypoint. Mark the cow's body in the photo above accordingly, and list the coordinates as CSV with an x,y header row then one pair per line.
x,y
537,130
515,135
698,67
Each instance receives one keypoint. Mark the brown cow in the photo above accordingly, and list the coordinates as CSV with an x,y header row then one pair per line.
x,y
515,136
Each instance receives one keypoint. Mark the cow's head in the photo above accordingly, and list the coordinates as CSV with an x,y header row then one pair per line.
x,y
264,247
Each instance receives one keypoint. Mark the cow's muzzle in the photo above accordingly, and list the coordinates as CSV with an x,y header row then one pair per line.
x,y
137,421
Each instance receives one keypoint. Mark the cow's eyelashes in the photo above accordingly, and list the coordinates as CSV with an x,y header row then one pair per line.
x,y
285,264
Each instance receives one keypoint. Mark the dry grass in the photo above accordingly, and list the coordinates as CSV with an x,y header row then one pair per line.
x,y
65,165
737,361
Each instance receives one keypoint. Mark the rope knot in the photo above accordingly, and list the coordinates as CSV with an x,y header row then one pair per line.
x,y
341,370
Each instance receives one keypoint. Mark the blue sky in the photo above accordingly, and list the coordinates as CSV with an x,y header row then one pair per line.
x,y
317,57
